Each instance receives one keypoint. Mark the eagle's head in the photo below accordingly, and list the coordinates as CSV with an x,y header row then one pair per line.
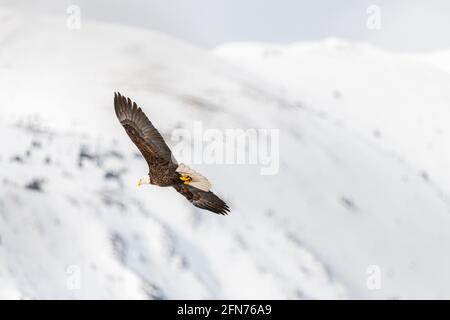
x,y
144,180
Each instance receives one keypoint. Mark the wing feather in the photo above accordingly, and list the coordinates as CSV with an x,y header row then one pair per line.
x,y
202,199
141,131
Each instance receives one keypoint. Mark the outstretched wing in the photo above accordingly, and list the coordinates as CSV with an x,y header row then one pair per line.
x,y
141,131
203,199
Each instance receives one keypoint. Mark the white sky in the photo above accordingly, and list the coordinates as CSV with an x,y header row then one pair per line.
x,y
412,25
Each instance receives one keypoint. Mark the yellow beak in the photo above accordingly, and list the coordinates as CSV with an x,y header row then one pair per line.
x,y
139,183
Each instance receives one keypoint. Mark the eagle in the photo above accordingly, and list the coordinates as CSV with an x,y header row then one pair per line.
x,y
164,170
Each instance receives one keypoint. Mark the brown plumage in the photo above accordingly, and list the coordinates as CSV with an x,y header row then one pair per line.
x,y
162,164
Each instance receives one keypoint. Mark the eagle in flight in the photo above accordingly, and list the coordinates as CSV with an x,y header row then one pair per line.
x,y
164,171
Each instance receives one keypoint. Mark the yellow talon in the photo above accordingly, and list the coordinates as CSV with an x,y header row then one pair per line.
x,y
186,179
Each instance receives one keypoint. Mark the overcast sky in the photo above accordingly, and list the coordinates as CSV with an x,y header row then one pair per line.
x,y
404,24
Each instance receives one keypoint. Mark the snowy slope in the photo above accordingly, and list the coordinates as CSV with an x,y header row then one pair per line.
x,y
342,201
439,59
397,102
401,102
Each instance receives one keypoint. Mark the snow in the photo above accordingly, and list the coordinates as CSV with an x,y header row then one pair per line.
x,y
398,105
343,200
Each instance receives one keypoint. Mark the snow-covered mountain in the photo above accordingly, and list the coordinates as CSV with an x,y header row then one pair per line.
x,y
354,189
400,101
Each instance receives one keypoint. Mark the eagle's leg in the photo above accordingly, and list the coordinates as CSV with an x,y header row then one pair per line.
x,y
185,178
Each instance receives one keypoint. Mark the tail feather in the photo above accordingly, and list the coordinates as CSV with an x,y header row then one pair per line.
x,y
198,181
